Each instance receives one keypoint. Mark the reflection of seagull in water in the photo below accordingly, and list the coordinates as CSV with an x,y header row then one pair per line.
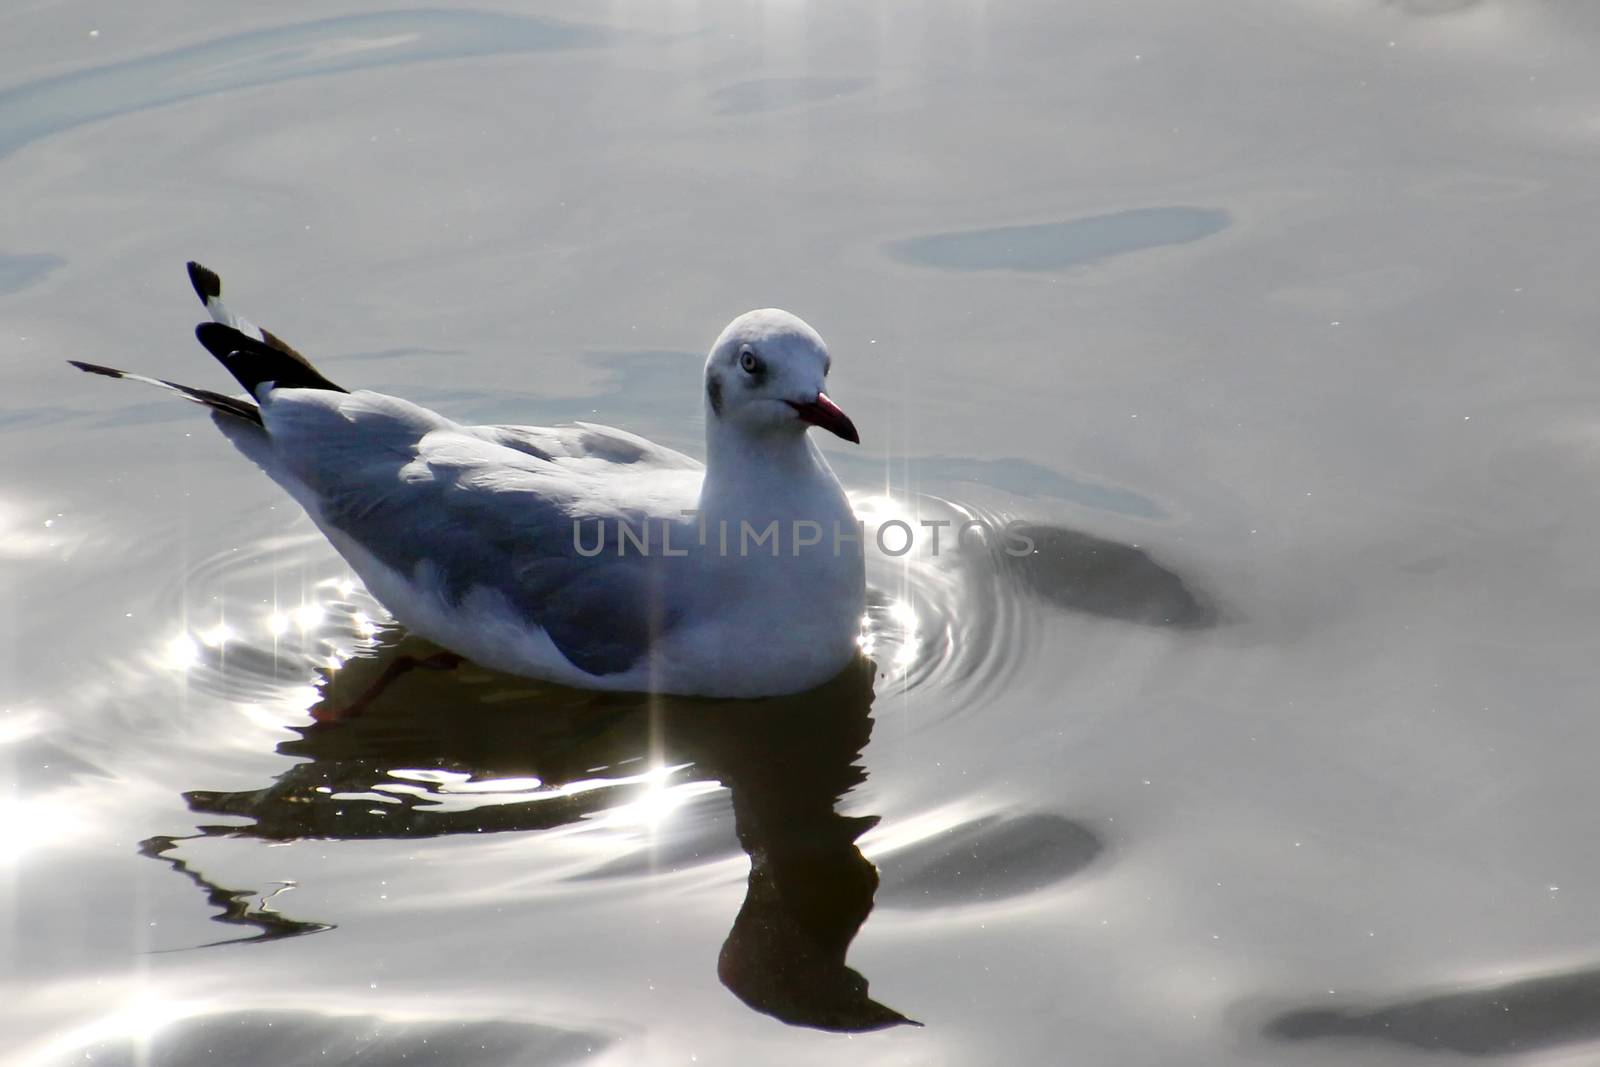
x,y
480,537
785,764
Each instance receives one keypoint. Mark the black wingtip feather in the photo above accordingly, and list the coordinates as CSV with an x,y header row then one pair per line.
x,y
252,362
227,405
281,345
207,286
95,368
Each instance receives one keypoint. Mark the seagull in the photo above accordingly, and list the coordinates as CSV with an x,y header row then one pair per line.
x,y
578,554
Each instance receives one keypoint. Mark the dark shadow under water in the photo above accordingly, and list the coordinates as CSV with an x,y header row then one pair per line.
x,y
1080,572
1526,1015
785,762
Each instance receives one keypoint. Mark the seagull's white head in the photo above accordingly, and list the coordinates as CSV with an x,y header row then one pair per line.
x,y
766,374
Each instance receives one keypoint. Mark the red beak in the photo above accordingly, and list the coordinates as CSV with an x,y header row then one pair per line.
x,y
825,413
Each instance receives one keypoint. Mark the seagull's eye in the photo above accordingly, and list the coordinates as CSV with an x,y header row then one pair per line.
x,y
748,360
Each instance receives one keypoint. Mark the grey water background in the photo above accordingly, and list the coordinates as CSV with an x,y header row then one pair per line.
x,y
1275,319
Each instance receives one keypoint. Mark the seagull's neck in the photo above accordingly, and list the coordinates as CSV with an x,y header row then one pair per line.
x,y
745,470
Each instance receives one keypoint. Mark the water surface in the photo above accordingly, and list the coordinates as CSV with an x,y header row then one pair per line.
x,y
1272,323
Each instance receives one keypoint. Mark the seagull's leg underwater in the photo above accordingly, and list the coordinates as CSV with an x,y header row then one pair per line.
x,y
440,661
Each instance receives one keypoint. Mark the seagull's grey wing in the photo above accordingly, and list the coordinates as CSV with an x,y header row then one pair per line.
x,y
461,509
586,441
